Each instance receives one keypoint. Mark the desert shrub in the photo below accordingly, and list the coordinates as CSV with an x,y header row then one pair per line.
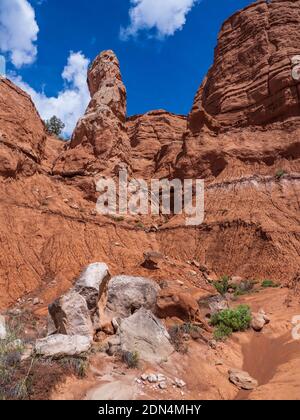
x,y
222,332
269,283
280,174
131,359
232,320
77,365
222,285
12,387
177,335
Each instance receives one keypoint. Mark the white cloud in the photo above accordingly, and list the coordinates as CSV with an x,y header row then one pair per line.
x,y
164,16
71,103
18,31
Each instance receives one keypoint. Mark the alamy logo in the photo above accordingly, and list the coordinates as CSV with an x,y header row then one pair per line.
x,y
155,197
2,66
296,67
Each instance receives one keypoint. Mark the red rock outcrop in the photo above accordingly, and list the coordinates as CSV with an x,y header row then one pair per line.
x,y
99,142
22,133
250,82
156,139
49,227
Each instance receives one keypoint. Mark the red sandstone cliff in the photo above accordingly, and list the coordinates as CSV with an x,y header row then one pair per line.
x,y
243,129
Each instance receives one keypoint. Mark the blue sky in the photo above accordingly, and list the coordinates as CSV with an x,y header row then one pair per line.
x,y
163,57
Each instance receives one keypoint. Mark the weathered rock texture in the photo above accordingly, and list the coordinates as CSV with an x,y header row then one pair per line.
x,y
49,229
62,345
145,334
22,134
156,139
100,142
250,82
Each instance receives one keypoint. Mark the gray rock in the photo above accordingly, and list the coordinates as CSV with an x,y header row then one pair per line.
x,y
62,345
3,332
242,379
259,320
126,294
92,283
144,333
114,345
51,328
71,315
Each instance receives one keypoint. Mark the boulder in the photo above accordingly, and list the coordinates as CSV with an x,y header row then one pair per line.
x,y
144,333
259,320
92,283
242,379
71,315
152,260
126,294
59,345
3,332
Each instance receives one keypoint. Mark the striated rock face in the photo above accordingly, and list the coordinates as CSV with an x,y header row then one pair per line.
x,y
50,229
99,142
250,82
22,133
156,138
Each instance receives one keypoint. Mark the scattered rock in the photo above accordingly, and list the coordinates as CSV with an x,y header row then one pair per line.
x,y
163,385
126,294
259,320
152,260
179,383
3,331
213,304
62,345
152,379
144,333
36,301
242,379
71,316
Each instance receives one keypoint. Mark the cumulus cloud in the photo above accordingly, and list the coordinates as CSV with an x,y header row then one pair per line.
x,y
18,31
71,102
164,16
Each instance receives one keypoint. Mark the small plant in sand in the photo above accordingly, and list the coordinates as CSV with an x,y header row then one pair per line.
x,y
231,320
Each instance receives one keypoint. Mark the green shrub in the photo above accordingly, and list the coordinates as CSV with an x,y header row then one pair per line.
x,y
269,283
222,332
231,320
131,359
280,174
12,386
222,285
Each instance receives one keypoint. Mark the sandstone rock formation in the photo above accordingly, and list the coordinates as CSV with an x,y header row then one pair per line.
x,y
62,345
22,134
99,142
143,333
259,320
250,82
242,380
92,283
71,315
156,139
49,227
127,294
